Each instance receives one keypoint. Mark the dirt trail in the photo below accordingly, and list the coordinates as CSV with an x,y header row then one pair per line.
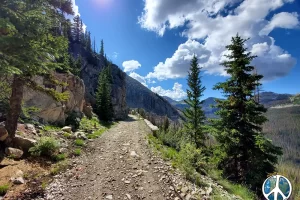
x,y
118,165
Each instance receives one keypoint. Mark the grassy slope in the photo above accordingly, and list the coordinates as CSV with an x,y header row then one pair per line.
x,y
283,128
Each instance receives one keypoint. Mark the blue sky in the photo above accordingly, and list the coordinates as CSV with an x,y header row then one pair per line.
x,y
153,40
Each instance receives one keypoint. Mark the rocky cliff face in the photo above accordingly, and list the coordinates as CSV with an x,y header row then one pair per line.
x,y
50,110
90,74
139,96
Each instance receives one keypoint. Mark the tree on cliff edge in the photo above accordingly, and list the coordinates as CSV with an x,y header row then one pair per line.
x,y
244,154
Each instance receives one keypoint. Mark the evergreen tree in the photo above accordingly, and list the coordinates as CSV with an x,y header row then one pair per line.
x,y
104,108
102,48
194,114
77,29
28,48
244,154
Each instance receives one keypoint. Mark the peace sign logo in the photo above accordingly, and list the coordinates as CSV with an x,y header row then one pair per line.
x,y
277,188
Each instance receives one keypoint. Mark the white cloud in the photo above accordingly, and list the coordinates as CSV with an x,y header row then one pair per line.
x,y
178,65
75,8
115,55
281,20
214,23
177,93
76,12
139,78
131,65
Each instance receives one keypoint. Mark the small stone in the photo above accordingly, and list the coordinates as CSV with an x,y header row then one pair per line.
x,y
19,181
184,189
128,196
133,154
67,129
127,182
19,173
109,196
188,197
171,188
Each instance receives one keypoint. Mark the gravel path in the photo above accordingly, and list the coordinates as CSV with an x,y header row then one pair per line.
x,y
121,165
117,166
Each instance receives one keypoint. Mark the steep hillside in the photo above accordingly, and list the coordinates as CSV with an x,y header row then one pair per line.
x,y
139,96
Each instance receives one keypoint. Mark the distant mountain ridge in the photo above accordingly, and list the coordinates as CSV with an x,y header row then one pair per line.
x,y
268,99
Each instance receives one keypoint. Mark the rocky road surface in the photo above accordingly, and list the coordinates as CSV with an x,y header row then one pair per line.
x,y
120,165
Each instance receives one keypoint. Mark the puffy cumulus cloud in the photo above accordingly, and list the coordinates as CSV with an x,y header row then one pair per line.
x,y
214,23
178,65
139,78
272,61
177,93
131,65
281,20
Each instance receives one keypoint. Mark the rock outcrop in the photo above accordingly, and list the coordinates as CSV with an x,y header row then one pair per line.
x,y
90,74
51,110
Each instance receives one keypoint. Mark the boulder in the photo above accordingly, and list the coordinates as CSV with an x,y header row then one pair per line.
x,y
30,128
80,135
3,133
50,110
23,143
67,129
16,153
151,126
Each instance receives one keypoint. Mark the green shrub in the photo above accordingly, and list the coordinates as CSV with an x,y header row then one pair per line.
x,y
3,189
59,167
96,134
46,146
73,120
79,142
67,135
77,152
60,157
89,124
51,128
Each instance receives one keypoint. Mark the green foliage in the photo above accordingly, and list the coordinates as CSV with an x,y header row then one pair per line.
x,y
51,128
73,120
79,142
87,124
194,114
75,65
104,108
59,167
30,45
96,134
46,146
67,135
28,111
243,153
77,152
4,189
237,189
60,157
171,137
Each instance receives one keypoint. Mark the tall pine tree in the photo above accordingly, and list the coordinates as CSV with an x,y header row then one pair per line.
x,y
102,48
244,154
104,108
194,114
